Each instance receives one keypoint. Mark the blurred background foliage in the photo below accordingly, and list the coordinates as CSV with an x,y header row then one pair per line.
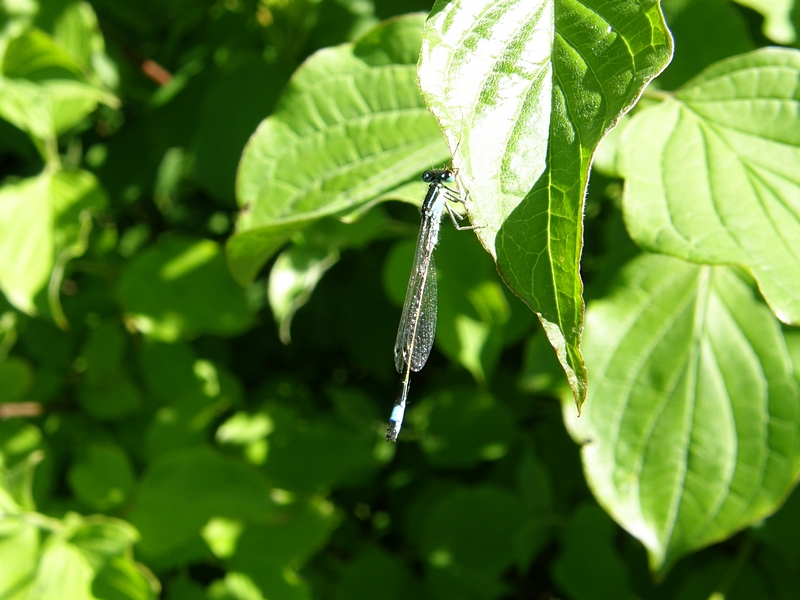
x,y
160,436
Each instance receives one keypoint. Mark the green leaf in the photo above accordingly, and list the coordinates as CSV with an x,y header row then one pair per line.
x,y
706,32
181,288
369,570
16,379
468,540
524,92
182,490
299,530
591,533
713,173
459,430
107,392
308,456
234,586
19,553
44,222
43,90
690,432
122,579
293,277
46,558
350,126
777,18
103,478
63,572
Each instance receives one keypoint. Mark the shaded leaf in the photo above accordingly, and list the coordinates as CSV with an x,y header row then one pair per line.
x,y
292,279
103,478
591,533
182,490
459,429
181,288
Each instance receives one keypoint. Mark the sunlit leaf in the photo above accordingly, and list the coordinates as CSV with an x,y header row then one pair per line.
x,y
524,92
777,18
44,222
43,90
713,173
350,126
690,432
182,288
181,491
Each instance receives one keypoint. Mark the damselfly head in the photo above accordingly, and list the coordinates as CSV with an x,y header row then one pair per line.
x,y
441,175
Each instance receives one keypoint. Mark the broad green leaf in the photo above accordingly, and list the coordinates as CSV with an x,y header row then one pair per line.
x,y
231,109
181,491
234,586
691,431
299,530
74,28
195,392
777,18
102,478
43,90
44,558
248,432
44,222
181,288
350,126
18,438
524,92
713,173
63,572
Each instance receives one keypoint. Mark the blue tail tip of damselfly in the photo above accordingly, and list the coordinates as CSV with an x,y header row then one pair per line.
x,y
395,422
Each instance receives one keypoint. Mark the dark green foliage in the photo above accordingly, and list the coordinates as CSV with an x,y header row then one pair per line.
x,y
202,272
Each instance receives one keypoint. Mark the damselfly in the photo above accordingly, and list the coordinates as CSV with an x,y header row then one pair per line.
x,y
418,323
